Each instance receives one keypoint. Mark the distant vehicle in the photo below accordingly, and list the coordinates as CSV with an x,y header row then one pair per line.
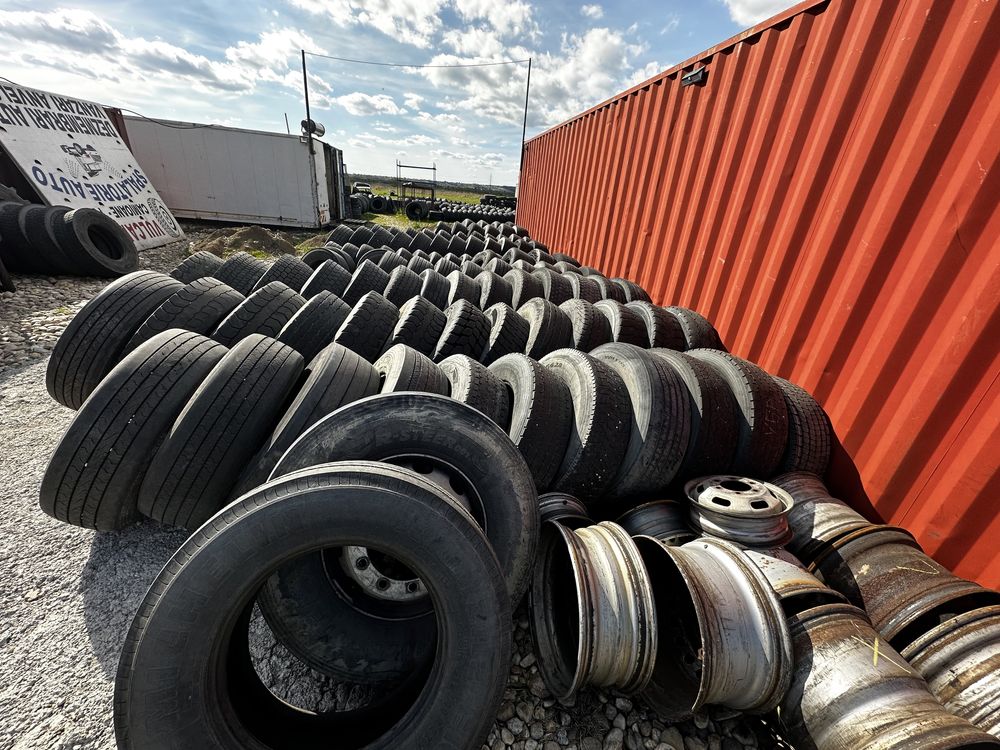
x,y
362,187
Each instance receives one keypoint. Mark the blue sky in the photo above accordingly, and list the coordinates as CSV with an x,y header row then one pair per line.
x,y
238,64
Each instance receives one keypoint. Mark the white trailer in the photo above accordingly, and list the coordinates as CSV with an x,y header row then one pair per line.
x,y
244,176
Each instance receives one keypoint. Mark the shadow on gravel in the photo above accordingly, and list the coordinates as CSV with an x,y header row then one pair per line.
x,y
114,579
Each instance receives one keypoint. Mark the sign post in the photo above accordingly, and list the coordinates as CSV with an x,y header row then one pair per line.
x,y
72,155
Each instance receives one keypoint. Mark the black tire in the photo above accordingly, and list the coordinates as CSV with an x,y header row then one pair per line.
x,y
368,326
523,286
498,266
661,420
94,340
591,328
714,428
391,261
435,288
360,236
698,331
555,288
228,707
218,431
455,437
241,271
367,278
493,289
549,328
472,383
564,258
352,251
265,311
419,326
197,266
334,378
403,286
345,259
287,269
314,325
599,431
609,289
6,283
96,243
471,268
403,368
15,248
632,291
466,331
94,474
541,415
663,330
319,255
508,333
445,266
340,234
626,325
419,264
527,266
329,276
762,417
37,225
810,434
462,287
199,307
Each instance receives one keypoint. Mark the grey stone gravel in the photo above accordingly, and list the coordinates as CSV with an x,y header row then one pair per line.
x,y
68,595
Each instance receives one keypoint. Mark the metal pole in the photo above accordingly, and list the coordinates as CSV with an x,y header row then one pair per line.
x,y
524,127
305,88
287,127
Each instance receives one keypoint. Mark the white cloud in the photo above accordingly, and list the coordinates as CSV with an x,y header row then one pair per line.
x,y
592,11
410,21
644,73
412,100
752,12
507,16
673,21
476,41
362,104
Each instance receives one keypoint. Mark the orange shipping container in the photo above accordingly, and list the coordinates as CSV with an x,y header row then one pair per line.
x,y
828,195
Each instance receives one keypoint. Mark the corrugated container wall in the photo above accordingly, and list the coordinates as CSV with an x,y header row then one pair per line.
x,y
828,196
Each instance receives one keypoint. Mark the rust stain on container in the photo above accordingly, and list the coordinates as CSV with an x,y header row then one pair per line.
x,y
829,198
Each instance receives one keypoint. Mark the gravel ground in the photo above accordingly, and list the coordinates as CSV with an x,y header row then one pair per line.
x,y
69,594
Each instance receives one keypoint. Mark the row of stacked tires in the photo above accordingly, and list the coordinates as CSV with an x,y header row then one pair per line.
x,y
363,203
503,201
54,240
457,211
399,444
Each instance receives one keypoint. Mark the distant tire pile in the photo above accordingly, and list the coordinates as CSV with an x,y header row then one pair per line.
x,y
502,201
55,240
456,211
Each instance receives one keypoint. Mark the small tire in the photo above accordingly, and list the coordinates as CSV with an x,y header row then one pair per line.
x,y
418,265
218,431
198,307
197,266
472,383
93,477
403,368
96,337
368,326
466,331
541,414
265,311
313,325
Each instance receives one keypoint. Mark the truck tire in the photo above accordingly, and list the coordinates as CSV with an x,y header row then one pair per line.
x,y
37,225
197,266
329,276
523,286
599,431
198,306
315,509
367,278
314,325
549,328
555,288
661,421
403,368
94,474
335,377
584,288
762,417
419,264
403,286
94,340
810,434
632,291
218,431
419,326
462,287
626,325
466,331
663,330
368,326
435,288
698,332
508,333
493,289
265,311
609,289
541,414
591,328
287,269
96,243
318,255
472,383
241,271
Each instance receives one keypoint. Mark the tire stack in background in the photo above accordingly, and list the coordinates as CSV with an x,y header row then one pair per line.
x,y
395,387
57,241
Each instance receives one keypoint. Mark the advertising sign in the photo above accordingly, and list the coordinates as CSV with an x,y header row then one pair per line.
x,y
71,153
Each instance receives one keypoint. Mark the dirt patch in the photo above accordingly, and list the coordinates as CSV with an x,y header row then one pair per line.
x,y
254,240
317,240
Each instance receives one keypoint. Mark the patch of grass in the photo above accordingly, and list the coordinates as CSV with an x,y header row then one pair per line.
x,y
64,310
444,194
396,220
